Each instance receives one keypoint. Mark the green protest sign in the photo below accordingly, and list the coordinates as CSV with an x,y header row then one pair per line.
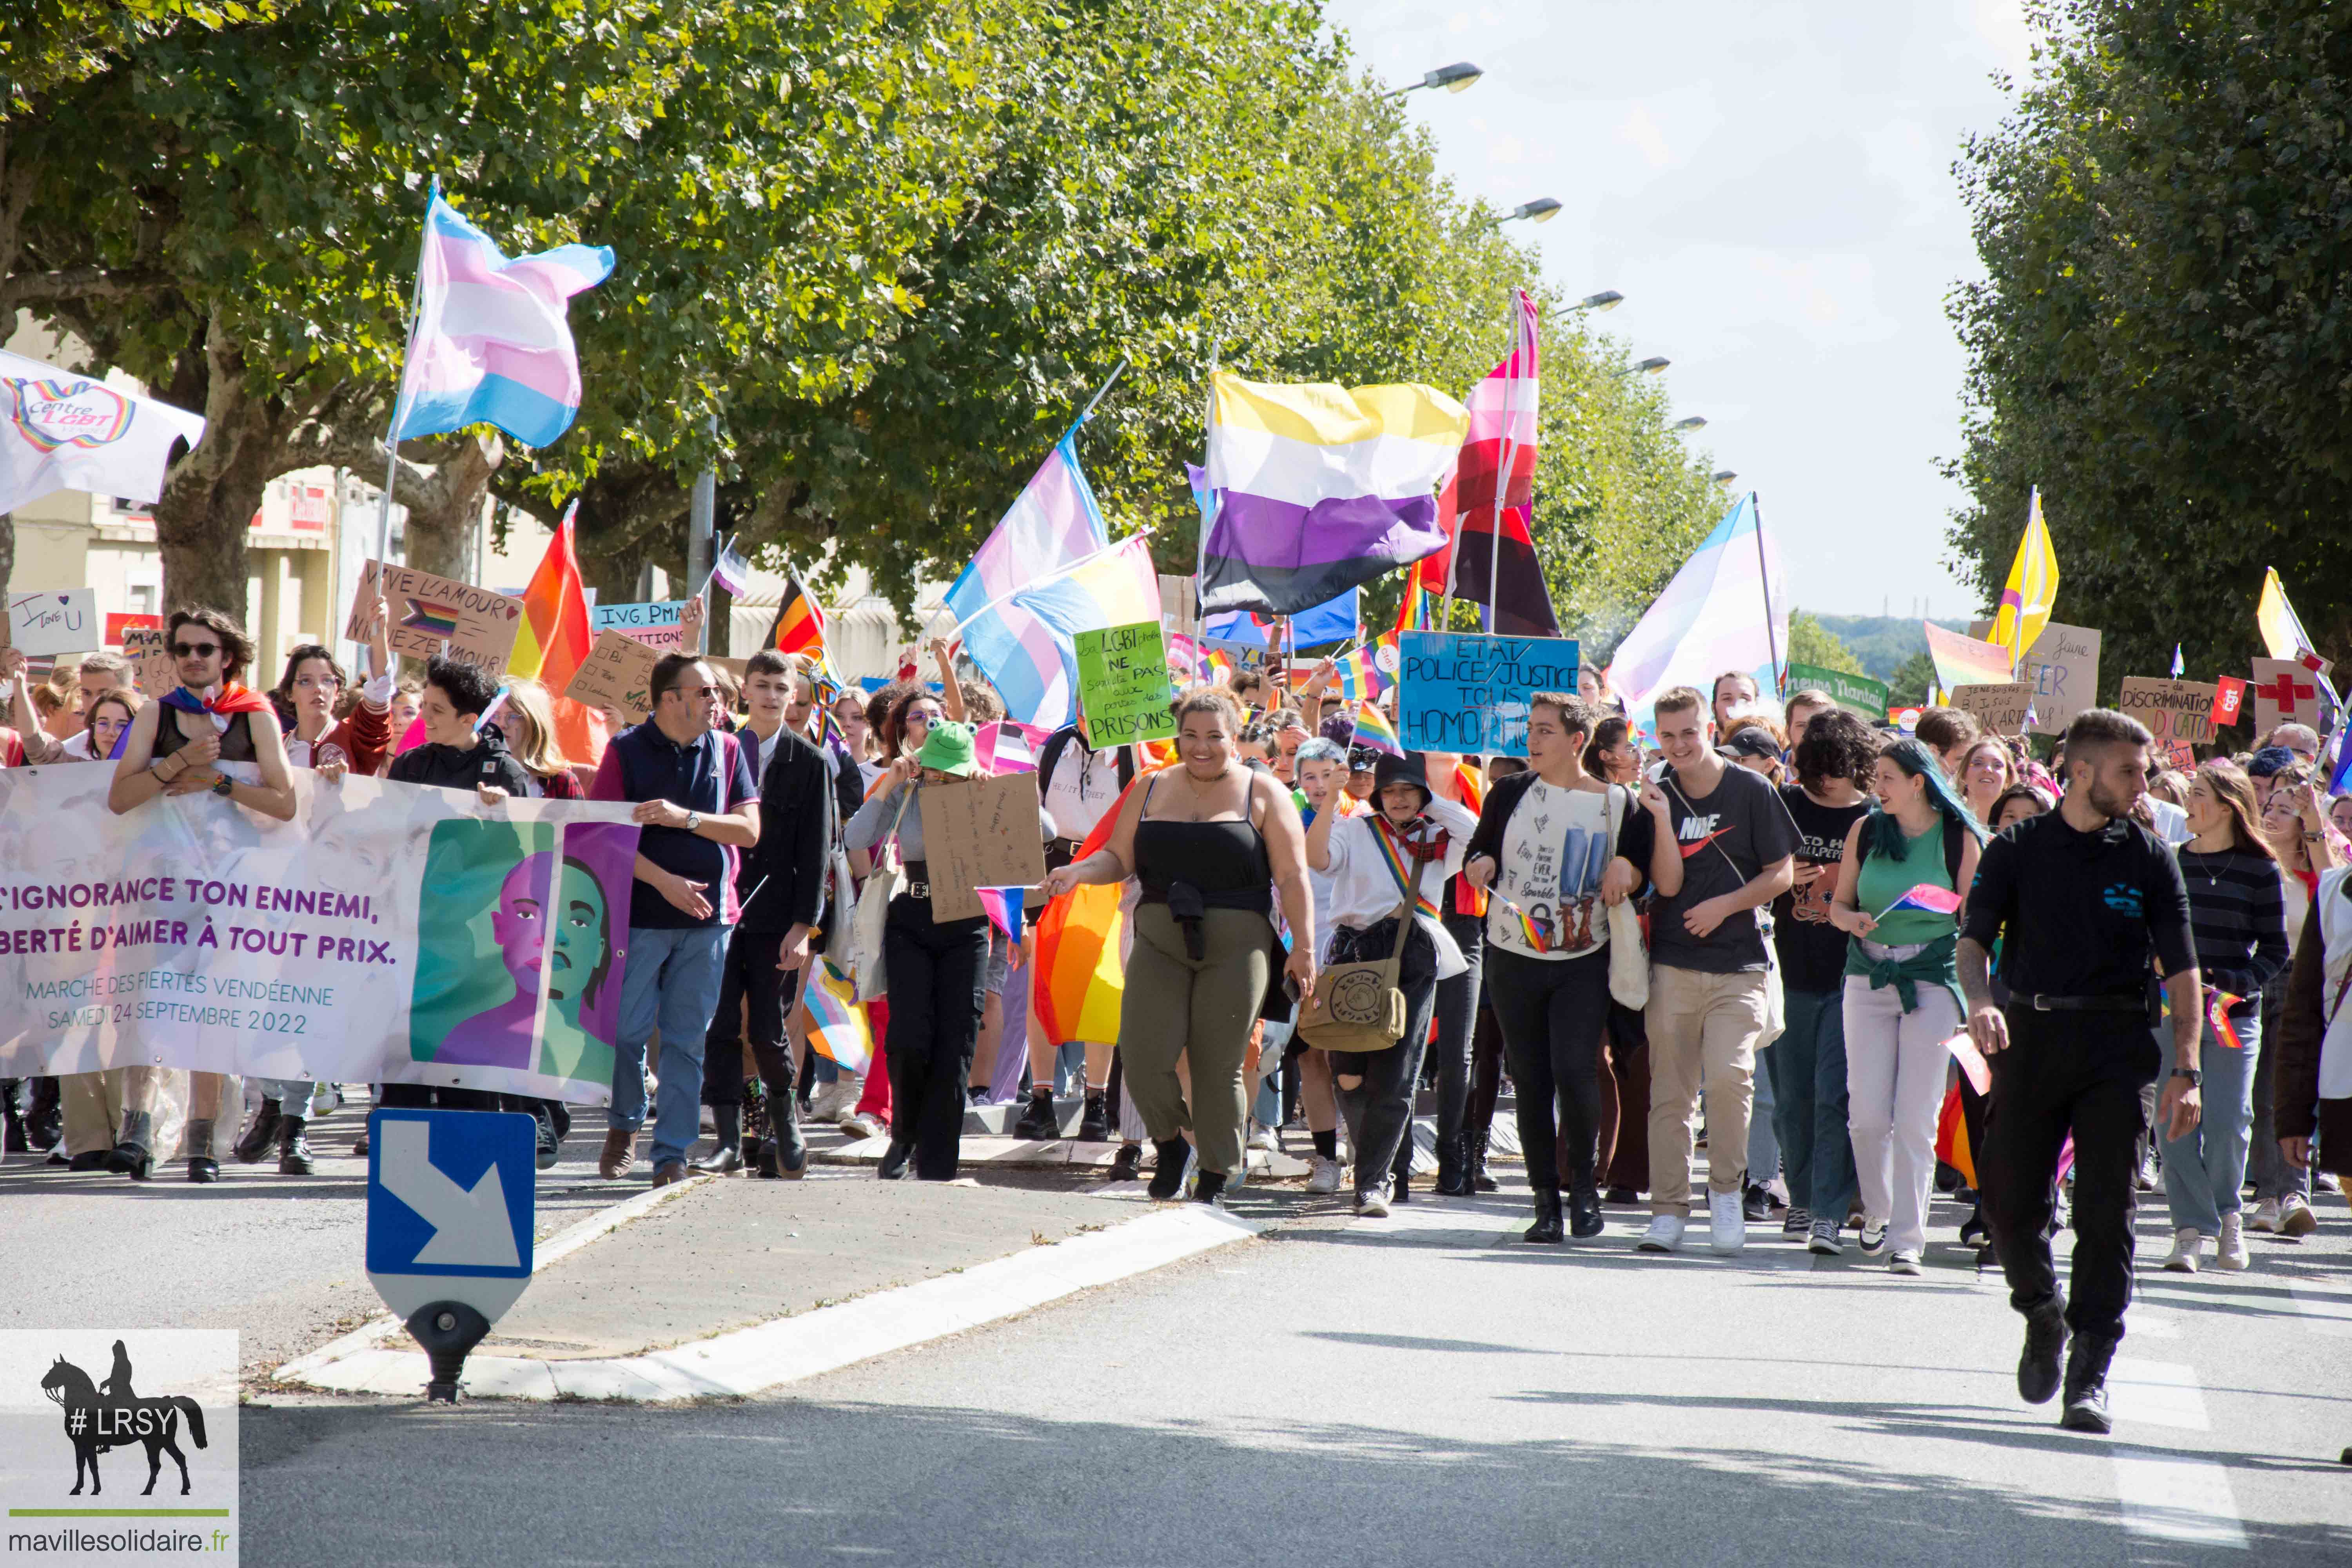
x,y
1123,686
1858,693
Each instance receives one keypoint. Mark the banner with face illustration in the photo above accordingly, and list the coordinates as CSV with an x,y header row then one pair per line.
x,y
389,933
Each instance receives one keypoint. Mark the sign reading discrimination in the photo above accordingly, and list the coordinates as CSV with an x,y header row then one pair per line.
x,y
981,833
659,624
192,932
1123,686
429,612
2062,668
1998,706
1463,691
2178,713
1857,694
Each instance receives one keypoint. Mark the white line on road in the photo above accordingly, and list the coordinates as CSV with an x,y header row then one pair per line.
x,y
2179,1499
2158,1392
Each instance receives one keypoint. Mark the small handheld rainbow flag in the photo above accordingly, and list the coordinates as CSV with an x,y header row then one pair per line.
x,y
838,1029
1538,934
2217,1013
1930,898
1374,732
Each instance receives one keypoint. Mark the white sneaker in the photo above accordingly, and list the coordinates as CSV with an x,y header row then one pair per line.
x,y
829,1102
2296,1218
1371,1205
1665,1234
1322,1175
1263,1138
1874,1237
1726,1224
1903,1262
2267,1215
2230,1255
2187,1242
858,1126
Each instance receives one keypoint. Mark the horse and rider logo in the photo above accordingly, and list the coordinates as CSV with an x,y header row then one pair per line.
x,y
54,413
109,1415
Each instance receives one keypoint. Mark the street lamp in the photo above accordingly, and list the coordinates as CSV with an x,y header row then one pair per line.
x,y
1543,209
1607,300
1650,366
1452,78
1696,422
1724,476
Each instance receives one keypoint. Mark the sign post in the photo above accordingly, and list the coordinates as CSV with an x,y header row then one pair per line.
x,y
450,1195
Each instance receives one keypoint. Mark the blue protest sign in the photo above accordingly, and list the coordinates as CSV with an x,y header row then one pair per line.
x,y
1464,691
656,623
450,1195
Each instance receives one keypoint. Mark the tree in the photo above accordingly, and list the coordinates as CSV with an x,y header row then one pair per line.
x,y
2163,340
1912,681
1812,643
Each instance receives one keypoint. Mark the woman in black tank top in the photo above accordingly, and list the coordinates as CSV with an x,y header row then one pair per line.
x,y
1212,841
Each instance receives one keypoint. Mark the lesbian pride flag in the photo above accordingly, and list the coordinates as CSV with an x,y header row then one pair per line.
x,y
493,344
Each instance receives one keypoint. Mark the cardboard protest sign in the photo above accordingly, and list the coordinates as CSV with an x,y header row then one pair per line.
x,y
1857,694
1998,706
1123,685
2284,692
58,620
1180,607
617,673
657,624
981,833
148,649
2178,713
2062,668
1464,692
434,614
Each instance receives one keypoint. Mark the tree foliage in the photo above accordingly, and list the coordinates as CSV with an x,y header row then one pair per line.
x,y
2163,342
1810,642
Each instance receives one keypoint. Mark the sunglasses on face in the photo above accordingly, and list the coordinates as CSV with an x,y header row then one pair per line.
x,y
698,693
194,649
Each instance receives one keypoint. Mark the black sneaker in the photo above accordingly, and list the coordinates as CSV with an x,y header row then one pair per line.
x,y
549,1145
1756,1205
1093,1127
2087,1411
2086,1386
1041,1122
1127,1163
2045,1342
1167,1171
894,1161
1208,1188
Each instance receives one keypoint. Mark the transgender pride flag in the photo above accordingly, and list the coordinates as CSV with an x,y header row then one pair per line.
x,y
1053,526
1726,609
492,346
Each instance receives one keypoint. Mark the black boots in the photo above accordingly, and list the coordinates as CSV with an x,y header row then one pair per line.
x,y
728,1158
2086,1386
1473,1159
1168,1172
263,1135
894,1161
1547,1228
784,1152
1453,1171
2045,1337
131,1156
202,1167
293,1148
1093,1127
1040,1123
1584,1211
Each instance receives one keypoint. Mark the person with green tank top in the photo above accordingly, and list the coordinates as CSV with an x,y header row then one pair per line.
x,y
1907,867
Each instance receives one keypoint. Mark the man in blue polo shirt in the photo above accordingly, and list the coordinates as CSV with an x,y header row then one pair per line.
x,y
698,806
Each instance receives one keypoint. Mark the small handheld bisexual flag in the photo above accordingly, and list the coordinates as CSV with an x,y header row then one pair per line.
x,y
1930,898
1002,907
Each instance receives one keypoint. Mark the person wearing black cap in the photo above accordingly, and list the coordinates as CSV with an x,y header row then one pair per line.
x,y
2082,899
1398,856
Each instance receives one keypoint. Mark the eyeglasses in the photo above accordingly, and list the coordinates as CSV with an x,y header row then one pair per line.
x,y
194,649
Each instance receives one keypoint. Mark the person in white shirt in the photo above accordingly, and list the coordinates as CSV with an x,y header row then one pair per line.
x,y
1399,855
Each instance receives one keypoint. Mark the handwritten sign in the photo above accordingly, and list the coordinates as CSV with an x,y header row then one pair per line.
x,y
61,620
434,614
2062,668
617,673
2178,713
1998,706
1857,694
981,833
1123,688
1463,691
2284,692
657,624
148,651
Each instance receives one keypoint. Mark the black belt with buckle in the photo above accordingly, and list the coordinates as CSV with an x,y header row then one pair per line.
x,y
2113,1001
918,880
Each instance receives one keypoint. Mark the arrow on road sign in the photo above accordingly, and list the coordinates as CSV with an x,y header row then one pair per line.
x,y
468,1228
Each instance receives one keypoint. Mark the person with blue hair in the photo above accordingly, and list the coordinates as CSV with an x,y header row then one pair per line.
x,y
1900,884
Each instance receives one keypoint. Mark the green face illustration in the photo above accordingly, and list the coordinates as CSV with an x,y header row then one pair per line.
x,y
583,941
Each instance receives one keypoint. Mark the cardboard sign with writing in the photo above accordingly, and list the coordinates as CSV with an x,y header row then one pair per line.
x,y
981,833
148,649
1857,694
61,620
475,624
1998,706
658,625
1123,686
2284,692
2062,668
1464,692
2178,713
1180,607
617,673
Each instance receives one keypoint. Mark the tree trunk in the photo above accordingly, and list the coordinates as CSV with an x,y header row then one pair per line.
x,y
206,510
444,503
8,547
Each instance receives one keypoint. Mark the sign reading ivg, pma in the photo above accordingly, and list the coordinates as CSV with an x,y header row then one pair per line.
x,y
1463,691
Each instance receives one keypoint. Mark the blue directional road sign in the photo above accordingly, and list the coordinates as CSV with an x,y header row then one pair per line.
x,y
450,1195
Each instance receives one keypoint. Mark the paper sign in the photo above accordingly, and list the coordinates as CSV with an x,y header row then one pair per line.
x,y
981,833
1998,706
2178,713
657,625
1464,692
61,620
434,614
2231,698
1979,1070
1123,687
2062,668
617,673
2284,692
1179,607
1857,694
149,653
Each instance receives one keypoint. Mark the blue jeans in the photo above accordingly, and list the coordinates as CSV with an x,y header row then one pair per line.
x,y
2204,1171
1807,1065
672,979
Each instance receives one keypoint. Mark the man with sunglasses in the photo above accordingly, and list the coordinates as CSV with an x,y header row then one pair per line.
x,y
698,806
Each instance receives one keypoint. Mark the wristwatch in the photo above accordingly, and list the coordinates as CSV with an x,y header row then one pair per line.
x,y
693,820
2195,1079
222,784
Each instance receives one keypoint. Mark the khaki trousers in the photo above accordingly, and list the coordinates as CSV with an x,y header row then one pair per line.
x,y
1701,1025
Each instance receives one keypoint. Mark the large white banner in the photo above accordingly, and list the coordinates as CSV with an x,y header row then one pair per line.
x,y
388,933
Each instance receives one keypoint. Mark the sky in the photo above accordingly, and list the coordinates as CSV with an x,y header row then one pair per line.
x,y
1770,187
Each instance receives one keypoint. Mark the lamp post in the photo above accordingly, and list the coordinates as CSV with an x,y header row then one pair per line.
x,y
1452,78
1724,476
1696,422
1650,366
1543,209
1607,300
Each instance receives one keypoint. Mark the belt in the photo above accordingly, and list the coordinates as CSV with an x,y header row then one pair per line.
x,y
2113,1002
1069,846
918,880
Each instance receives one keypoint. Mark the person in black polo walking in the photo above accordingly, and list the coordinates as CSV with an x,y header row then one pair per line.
x,y
2089,908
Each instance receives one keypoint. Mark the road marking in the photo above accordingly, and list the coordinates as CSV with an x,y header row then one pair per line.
x,y
2158,1392
2326,1312
2173,1499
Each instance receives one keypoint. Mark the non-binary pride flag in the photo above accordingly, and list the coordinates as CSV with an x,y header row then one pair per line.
x,y
492,343
1320,487
1052,524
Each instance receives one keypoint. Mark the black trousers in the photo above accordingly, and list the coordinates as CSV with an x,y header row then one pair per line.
x,y
935,971
1553,1013
441,1096
1378,1111
2083,1073
749,984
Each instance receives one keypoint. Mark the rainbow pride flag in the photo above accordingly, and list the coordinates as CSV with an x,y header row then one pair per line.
x,y
1374,730
838,1029
1966,661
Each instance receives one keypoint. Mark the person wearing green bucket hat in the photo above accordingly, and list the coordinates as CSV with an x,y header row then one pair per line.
x,y
934,968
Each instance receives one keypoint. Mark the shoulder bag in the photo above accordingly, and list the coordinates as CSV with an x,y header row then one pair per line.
x,y
1358,1006
888,879
1629,953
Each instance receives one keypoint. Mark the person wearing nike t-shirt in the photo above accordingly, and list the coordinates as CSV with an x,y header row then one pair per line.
x,y
1709,976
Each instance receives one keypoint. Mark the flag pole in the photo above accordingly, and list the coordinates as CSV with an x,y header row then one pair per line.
x,y
1100,392
1208,440
400,388
1764,579
1502,469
